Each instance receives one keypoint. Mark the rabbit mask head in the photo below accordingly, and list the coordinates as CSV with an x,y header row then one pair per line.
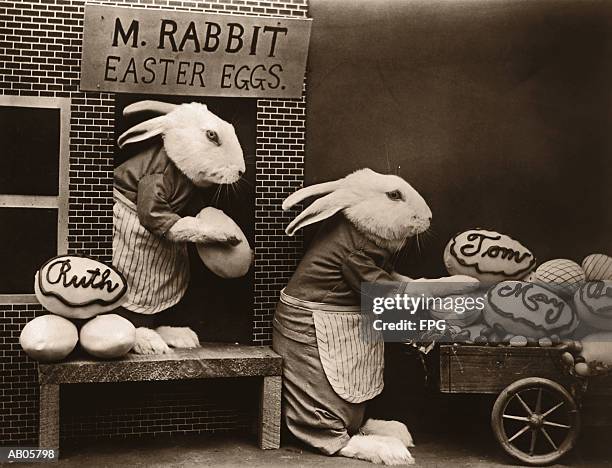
x,y
202,146
384,207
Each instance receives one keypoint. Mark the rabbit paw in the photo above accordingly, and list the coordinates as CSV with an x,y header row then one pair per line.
x,y
465,283
456,284
187,229
377,449
179,337
149,342
460,279
190,229
388,428
222,237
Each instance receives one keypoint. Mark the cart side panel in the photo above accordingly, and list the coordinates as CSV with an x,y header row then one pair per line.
x,y
597,401
485,369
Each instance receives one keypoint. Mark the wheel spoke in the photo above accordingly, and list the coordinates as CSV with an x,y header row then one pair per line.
x,y
538,407
517,418
527,408
522,431
550,441
534,437
554,424
558,405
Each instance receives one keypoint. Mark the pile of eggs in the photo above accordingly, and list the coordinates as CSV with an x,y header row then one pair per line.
x,y
531,304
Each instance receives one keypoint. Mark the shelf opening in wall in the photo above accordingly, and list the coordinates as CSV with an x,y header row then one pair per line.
x,y
217,309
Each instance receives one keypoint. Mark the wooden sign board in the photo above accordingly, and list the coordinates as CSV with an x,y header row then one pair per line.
x,y
135,50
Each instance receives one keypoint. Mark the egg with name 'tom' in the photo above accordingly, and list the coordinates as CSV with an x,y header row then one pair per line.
x,y
488,256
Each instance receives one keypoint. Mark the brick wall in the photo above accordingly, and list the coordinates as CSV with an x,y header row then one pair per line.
x,y
280,170
18,378
40,46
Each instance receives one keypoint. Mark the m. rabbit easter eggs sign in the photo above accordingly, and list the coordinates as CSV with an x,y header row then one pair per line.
x,y
488,256
79,287
138,50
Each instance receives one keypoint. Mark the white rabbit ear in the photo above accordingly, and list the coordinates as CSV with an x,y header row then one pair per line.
x,y
321,209
311,191
149,106
143,131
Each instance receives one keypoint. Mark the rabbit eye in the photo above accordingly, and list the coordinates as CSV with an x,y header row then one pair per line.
x,y
395,195
212,136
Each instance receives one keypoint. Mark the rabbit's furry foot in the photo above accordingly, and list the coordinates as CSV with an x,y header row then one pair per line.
x,y
377,449
149,342
190,229
388,428
179,337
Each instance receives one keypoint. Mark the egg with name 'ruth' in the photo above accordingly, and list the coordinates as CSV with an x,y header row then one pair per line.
x,y
488,256
79,287
561,275
597,267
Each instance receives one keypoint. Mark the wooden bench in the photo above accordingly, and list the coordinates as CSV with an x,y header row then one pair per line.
x,y
209,361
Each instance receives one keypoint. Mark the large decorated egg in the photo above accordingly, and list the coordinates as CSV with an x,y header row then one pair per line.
x,y
562,275
593,302
48,338
79,287
488,256
108,336
597,267
225,260
528,309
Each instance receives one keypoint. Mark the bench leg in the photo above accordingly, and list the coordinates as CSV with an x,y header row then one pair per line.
x,y
48,429
270,413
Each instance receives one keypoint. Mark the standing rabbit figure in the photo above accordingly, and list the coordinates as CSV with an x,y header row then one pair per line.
x,y
198,150
329,370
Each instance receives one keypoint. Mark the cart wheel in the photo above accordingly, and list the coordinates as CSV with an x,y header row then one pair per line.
x,y
535,420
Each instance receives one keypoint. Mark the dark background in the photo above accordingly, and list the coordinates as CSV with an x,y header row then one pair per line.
x,y
29,145
498,113
29,165
217,309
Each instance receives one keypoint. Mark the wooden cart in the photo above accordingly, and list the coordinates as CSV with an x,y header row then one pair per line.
x,y
536,417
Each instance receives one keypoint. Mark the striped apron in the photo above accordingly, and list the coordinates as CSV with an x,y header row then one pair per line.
x,y
157,270
350,350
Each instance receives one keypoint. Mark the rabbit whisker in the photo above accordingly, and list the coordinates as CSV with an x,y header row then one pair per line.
x,y
215,197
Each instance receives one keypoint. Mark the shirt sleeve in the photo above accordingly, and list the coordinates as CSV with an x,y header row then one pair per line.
x,y
359,267
153,207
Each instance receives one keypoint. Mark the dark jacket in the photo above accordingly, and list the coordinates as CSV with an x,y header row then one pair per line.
x,y
158,189
338,260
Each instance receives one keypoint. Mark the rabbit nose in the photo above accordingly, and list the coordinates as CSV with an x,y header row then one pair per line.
x,y
240,173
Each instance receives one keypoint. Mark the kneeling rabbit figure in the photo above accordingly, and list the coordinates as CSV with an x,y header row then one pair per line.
x,y
329,370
